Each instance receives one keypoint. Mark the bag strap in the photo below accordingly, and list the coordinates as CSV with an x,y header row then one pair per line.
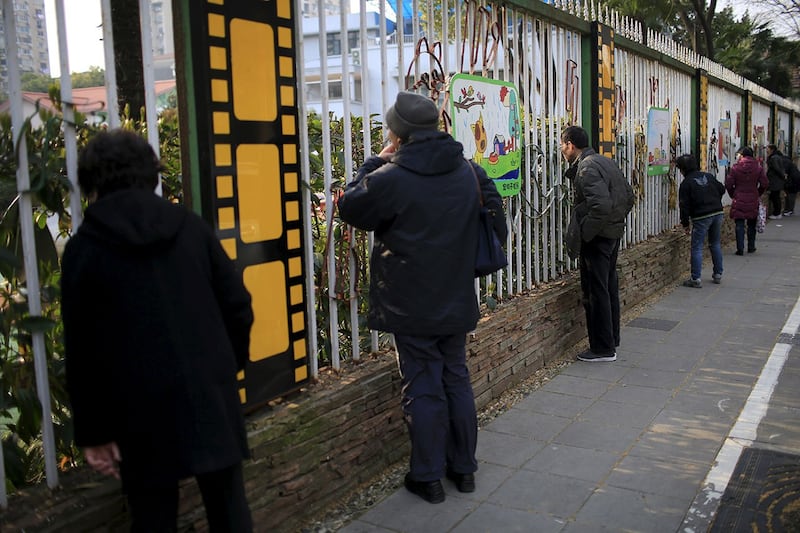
x,y
477,182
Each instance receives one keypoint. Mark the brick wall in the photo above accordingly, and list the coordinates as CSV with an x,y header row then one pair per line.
x,y
312,450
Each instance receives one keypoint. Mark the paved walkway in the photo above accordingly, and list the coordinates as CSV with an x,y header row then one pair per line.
x,y
647,443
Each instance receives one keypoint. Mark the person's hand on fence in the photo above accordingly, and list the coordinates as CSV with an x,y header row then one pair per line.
x,y
104,458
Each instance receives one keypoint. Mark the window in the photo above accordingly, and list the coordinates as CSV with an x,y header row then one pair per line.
x,y
334,42
334,45
314,90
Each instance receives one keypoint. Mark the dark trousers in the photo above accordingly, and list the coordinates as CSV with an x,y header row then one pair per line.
x,y
751,234
775,202
156,509
600,287
788,206
438,405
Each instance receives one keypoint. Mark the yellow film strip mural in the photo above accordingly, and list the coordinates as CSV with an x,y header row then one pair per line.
x,y
702,136
605,89
241,91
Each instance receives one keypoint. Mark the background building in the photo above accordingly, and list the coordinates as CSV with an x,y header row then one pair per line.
x,y
31,40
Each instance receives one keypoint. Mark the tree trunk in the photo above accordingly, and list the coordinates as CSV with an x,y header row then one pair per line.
x,y
127,35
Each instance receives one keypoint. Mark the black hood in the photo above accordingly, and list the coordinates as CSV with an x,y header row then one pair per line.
x,y
133,218
430,153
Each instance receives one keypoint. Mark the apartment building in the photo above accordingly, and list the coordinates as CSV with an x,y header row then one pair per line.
x,y
29,21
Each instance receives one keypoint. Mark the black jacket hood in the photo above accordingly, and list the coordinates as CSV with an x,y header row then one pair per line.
x,y
133,218
430,153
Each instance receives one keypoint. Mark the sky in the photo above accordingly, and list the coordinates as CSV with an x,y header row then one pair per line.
x,y
84,33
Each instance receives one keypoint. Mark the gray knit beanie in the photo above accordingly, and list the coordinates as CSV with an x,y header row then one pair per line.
x,y
412,112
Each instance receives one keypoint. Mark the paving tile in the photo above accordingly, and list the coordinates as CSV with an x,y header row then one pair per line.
x,y
540,492
358,526
717,407
654,377
601,372
674,479
692,425
677,447
580,463
525,423
594,436
585,388
506,450
669,359
621,414
406,512
554,403
630,510
493,517
637,395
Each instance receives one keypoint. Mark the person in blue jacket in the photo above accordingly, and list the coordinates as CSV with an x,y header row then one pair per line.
x,y
420,197
700,201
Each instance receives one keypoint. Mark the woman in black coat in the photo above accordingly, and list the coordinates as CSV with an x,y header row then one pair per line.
x,y
776,174
157,324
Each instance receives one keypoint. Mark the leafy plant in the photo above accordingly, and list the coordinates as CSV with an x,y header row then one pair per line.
x,y
20,410
336,239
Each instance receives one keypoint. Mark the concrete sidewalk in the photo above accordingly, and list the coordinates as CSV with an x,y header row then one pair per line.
x,y
647,443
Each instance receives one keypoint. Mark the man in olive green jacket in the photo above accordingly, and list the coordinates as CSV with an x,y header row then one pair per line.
x,y
602,200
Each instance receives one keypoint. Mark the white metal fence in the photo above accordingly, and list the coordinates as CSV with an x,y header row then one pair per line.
x,y
521,45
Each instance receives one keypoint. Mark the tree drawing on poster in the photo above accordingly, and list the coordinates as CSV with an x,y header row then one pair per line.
x,y
486,120
658,139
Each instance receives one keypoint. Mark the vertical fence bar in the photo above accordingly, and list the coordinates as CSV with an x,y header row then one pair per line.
x,y
306,192
111,70
151,115
68,113
29,242
333,309
347,140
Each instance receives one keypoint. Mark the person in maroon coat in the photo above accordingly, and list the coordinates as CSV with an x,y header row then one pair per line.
x,y
745,183
156,325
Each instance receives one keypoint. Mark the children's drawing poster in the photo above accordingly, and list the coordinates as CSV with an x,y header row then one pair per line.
x,y
486,120
724,146
659,121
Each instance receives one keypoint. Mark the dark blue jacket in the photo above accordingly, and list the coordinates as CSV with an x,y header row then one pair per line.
x,y
700,195
423,207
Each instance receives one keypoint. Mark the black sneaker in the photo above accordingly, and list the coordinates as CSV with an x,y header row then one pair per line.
x,y
464,482
430,491
739,252
591,357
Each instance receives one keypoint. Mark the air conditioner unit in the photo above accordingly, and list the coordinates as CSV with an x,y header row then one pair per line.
x,y
355,57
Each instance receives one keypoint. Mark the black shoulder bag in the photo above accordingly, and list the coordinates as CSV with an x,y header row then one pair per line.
x,y
490,257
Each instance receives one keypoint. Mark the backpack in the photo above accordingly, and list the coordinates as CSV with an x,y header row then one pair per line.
x,y
792,175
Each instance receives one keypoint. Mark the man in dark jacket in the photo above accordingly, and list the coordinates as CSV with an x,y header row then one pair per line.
x,y
700,202
421,198
156,325
602,200
776,174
